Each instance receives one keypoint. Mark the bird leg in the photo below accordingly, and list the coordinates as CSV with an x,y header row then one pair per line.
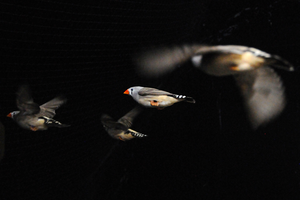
x,y
154,103
121,138
33,128
234,68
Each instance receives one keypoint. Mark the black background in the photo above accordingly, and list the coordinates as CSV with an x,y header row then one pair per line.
x,y
205,150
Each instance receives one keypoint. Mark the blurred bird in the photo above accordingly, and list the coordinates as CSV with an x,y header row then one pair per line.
x,y
33,117
262,89
121,129
2,138
151,97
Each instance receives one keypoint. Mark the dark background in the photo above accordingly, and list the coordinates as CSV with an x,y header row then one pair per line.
x,y
205,150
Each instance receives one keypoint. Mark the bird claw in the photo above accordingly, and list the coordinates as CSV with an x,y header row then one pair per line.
x,y
235,68
33,128
154,103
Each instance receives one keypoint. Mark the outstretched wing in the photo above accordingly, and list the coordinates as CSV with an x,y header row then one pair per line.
x,y
25,102
109,123
263,94
162,60
48,109
130,116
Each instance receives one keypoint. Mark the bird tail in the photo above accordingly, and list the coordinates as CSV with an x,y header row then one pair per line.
x,y
53,123
184,98
136,134
280,63
190,100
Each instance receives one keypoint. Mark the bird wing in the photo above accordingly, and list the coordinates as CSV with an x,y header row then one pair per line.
x,y
48,108
112,127
162,60
263,94
25,102
130,116
152,91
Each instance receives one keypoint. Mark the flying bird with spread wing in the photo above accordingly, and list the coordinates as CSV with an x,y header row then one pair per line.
x,y
151,97
261,87
121,129
33,117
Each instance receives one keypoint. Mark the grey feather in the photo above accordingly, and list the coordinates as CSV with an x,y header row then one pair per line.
x,y
152,91
25,102
48,109
127,119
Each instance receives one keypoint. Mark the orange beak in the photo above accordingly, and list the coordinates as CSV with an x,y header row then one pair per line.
x,y
9,115
126,92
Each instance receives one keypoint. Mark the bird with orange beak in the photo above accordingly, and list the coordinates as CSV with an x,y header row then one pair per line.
x,y
154,98
261,87
33,117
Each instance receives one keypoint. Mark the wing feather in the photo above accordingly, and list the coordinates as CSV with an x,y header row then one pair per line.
x,y
263,93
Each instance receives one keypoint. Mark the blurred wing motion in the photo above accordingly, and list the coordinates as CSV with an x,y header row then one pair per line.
x,y
127,119
162,60
25,102
48,109
34,117
2,141
120,129
263,93
261,87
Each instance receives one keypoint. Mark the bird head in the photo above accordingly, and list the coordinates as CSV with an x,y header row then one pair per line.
x,y
133,90
13,114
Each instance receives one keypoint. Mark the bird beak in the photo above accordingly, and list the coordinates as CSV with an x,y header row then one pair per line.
x,y
9,115
126,92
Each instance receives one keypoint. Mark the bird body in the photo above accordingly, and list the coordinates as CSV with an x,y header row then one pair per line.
x,y
151,97
121,129
33,117
260,86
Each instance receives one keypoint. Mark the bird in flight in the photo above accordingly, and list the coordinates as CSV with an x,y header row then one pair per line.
x,y
151,97
121,129
261,87
33,117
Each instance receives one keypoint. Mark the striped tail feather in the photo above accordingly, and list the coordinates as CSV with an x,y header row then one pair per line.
x,y
184,98
136,134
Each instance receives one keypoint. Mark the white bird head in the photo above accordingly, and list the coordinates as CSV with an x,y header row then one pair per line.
x,y
13,114
133,91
